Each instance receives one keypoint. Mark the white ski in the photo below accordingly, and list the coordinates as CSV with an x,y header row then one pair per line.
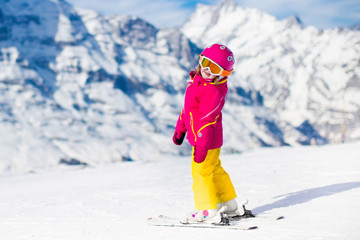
x,y
166,221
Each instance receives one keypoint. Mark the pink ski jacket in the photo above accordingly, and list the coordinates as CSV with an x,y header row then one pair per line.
x,y
201,116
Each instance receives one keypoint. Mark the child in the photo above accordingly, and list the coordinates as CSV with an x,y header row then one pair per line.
x,y
201,119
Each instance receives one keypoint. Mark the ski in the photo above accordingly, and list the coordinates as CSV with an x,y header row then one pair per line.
x,y
247,215
165,221
241,222
256,217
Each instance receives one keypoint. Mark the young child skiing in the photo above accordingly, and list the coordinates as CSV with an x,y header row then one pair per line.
x,y
201,119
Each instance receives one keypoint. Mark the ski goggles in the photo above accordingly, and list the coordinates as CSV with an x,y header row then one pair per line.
x,y
213,67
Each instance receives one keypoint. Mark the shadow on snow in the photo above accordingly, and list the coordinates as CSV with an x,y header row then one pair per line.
x,y
307,195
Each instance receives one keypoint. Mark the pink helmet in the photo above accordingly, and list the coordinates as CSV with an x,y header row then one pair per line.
x,y
220,54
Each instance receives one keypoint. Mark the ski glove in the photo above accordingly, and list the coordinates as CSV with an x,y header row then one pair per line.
x,y
199,154
178,137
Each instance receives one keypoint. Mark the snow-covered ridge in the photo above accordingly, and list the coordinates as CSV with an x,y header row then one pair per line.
x,y
88,90
76,84
302,74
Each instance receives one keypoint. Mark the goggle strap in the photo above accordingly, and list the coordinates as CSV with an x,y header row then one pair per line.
x,y
226,73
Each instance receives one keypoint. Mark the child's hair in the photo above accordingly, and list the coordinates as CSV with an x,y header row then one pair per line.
x,y
215,80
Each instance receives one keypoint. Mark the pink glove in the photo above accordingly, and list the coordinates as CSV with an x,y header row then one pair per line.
x,y
200,154
178,137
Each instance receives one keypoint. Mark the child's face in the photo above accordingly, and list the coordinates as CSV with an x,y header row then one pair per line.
x,y
205,73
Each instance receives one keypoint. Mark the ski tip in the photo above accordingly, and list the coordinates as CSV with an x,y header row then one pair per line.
x,y
252,228
280,217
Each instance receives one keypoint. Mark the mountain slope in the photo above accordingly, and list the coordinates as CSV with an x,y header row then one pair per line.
x,y
67,94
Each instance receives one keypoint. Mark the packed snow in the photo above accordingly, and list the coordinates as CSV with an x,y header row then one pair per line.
x,y
316,188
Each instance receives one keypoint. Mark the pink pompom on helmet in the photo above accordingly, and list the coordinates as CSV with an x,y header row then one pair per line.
x,y
221,55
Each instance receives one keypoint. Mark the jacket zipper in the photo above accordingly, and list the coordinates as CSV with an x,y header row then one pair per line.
x,y
192,126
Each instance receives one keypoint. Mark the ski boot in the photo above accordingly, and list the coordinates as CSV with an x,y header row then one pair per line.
x,y
233,211
210,216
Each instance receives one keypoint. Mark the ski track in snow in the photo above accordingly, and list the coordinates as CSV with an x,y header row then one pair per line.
x,y
315,188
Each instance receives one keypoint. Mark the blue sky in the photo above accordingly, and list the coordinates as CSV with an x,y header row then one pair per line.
x,y
167,13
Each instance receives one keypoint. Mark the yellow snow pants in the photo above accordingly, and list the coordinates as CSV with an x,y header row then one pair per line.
x,y
211,184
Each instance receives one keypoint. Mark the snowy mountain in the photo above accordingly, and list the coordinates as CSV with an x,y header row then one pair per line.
x,y
96,92
304,75
78,85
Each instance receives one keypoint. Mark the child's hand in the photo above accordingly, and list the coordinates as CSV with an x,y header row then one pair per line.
x,y
199,154
178,137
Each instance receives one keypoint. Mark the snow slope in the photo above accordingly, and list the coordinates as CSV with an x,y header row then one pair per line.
x,y
315,188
